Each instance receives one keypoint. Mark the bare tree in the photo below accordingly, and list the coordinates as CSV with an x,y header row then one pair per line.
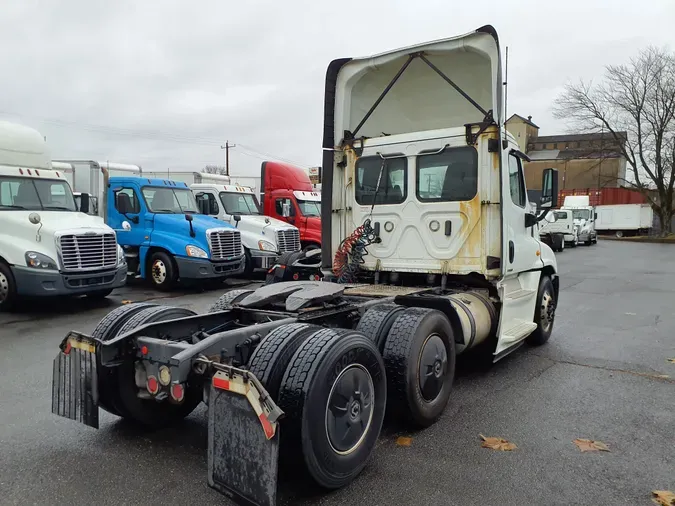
x,y
215,169
635,103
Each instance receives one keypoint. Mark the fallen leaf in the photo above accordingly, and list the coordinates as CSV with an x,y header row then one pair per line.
x,y
404,441
588,445
497,443
127,301
663,497
671,360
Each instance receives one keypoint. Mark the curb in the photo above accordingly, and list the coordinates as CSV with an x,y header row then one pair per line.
x,y
657,240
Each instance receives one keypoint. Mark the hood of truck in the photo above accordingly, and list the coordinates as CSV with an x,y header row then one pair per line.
x,y
52,221
420,99
261,224
176,223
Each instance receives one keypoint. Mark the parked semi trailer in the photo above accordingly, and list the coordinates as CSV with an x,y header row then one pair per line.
x,y
311,367
47,247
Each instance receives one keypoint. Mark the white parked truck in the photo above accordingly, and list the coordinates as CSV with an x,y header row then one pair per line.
x,y
429,241
236,202
625,219
584,216
47,247
560,231
264,238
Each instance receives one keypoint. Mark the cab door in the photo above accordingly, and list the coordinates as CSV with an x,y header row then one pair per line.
x,y
521,258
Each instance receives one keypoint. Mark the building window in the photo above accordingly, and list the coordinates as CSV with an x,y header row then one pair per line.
x,y
555,146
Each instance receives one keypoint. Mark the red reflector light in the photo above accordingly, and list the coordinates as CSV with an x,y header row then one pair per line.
x,y
21,171
58,175
221,383
152,385
144,350
296,276
36,171
177,391
267,426
29,173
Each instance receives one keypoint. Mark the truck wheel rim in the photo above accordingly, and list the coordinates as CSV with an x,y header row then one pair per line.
x,y
4,287
432,367
349,412
158,272
547,311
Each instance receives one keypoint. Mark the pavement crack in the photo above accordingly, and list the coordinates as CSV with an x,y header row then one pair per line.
x,y
659,377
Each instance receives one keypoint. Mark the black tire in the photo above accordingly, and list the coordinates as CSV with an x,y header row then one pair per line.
x,y
334,359
107,329
226,300
545,297
272,356
100,294
419,338
162,271
148,412
377,321
248,264
8,297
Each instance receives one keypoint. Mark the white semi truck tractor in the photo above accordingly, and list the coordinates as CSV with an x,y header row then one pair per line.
x,y
430,249
47,246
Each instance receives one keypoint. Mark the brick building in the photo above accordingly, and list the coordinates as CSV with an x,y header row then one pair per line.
x,y
582,160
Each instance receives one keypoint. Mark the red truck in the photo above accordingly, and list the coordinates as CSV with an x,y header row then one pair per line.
x,y
286,193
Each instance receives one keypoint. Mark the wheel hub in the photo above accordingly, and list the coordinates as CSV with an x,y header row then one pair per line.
x,y
4,287
350,409
547,311
158,271
433,367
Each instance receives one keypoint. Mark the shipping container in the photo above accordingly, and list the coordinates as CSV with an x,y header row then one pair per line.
x,y
605,196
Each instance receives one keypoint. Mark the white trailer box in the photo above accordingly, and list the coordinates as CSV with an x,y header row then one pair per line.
x,y
623,219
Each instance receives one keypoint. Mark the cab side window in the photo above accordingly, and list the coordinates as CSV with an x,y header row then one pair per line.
x,y
516,181
279,206
126,201
212,206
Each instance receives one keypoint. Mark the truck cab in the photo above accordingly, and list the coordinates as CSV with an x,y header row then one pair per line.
x,y
423,186
584,217
48,247
560,230
288,195
264,238
164,237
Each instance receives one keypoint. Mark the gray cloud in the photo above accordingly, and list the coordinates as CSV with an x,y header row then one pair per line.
x,y
164,83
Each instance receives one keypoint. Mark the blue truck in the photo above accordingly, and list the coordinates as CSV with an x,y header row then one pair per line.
x,y
164,237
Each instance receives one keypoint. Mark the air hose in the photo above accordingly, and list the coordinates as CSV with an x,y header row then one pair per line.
x,y
351,252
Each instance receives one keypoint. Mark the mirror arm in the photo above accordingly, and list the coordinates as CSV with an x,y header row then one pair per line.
x,y
542,215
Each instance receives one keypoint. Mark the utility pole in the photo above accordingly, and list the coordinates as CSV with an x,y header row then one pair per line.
x,y
227,147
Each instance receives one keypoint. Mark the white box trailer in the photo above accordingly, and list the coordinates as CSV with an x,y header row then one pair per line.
x,y
624,219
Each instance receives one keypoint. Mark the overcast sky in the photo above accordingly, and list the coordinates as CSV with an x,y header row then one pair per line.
x,y
163,83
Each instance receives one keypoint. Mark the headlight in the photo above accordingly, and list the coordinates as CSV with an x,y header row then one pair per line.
x,y
266,246
194,251
121,259
40,261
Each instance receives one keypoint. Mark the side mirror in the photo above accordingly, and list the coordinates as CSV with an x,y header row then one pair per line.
x,y
286,209
126,226
236,217
188,217
84,203
203,205
549,189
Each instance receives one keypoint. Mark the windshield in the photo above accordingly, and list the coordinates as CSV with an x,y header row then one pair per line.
x,y
309,207
581,214
169,200
35,194
239,203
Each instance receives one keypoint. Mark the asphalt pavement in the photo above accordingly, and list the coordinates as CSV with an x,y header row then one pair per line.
x,y
603,376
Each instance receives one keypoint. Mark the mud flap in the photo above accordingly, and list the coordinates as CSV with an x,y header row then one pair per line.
x,y
75,381
243,441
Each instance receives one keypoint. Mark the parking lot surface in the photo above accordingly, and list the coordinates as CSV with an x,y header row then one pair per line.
x,y
603,376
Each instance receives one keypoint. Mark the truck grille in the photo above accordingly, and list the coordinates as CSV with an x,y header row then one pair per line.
x,y
224,244
86,252
288,240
